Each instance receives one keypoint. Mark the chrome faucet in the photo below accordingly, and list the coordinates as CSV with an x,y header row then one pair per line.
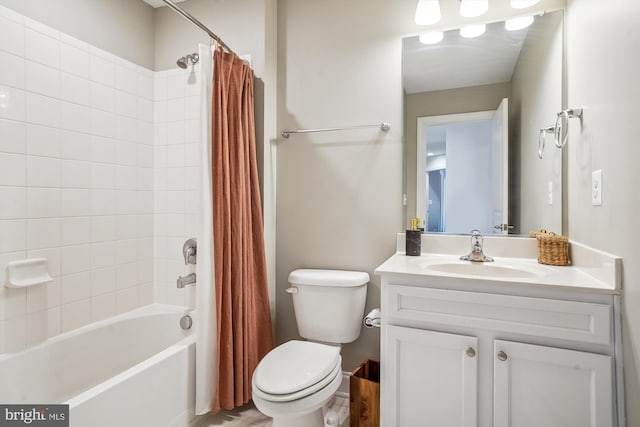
x,y
476,254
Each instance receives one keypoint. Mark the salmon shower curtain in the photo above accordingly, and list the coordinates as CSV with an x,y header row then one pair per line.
x,y
242,301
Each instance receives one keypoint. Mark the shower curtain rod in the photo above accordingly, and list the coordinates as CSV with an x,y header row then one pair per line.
x,y
198,24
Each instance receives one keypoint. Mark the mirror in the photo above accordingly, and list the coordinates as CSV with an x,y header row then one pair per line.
x,y
473,110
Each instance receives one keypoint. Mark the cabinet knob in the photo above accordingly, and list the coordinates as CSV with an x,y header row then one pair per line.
x,y
502,356
471,352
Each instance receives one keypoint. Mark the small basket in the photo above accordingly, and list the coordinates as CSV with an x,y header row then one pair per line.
x,y
552,248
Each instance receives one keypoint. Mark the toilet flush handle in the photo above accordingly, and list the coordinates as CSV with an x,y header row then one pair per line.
x,y
291,290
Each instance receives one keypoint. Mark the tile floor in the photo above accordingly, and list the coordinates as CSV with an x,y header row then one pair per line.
x,y
249,416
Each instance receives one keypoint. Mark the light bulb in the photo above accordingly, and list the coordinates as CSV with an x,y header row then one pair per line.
x,y
472,31
516,24
521,4
427,12
432,37
473,8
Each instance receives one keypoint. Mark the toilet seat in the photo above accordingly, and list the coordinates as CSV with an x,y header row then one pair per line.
x,y
295,370
288,413
301,393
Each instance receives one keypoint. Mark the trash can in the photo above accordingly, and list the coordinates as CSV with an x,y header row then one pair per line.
x,y
364,395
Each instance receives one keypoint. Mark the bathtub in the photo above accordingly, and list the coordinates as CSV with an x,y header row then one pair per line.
x,y
136,369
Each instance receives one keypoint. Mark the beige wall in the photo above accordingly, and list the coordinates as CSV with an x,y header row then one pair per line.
x,y
452,101
240,23
536,97
602,73
155,38
122,27
339,194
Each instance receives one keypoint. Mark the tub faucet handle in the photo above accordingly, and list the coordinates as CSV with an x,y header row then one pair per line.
x,y
189,251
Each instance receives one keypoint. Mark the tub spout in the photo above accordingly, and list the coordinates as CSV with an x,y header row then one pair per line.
x,y
189,279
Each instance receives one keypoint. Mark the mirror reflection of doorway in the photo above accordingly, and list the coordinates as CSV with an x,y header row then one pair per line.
x,y
435,202
471,150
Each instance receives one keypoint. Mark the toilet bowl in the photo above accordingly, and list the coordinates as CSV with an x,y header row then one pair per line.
x,y
295,380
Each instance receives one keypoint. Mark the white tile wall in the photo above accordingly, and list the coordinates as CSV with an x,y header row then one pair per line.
x,y
12,103
99,169
12,39
177,173
76,180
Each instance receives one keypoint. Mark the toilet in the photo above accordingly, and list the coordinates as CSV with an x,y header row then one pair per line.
x,y
295,380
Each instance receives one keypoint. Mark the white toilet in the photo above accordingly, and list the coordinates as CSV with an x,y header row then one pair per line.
x,y
295,380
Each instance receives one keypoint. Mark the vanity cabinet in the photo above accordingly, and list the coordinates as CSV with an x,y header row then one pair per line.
x,y
455,357
430,373
544,386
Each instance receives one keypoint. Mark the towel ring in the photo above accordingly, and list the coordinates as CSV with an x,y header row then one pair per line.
x,y
541,138
562,124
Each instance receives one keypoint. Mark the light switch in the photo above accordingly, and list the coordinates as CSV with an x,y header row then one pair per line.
x,y
550,193
596,188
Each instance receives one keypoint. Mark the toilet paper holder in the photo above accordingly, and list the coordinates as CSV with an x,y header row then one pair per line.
x,y
373,319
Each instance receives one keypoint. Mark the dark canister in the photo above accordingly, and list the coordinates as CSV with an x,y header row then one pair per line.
x,y
413,238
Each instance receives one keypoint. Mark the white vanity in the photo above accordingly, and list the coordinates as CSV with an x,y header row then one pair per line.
x,y
508,343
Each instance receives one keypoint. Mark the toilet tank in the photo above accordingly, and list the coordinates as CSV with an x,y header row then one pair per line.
x,y
329,304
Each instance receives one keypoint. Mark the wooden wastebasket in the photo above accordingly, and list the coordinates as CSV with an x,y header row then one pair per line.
x,y
364,395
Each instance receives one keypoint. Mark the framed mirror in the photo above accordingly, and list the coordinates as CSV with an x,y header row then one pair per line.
x,y
474,108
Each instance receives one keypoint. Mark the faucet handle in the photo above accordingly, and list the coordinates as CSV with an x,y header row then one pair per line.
x,y
189,251
476,239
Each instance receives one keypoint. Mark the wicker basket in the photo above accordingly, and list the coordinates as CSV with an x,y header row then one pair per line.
x,y
552,248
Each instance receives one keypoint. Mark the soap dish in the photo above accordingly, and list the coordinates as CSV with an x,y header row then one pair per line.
x,y
28,272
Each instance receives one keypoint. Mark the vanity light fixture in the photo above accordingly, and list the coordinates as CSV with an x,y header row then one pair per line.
x,y
431,37
516,24
473,8
471,31
522,4
427,12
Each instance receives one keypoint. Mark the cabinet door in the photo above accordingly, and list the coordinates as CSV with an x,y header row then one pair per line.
x,y
428,379
542,386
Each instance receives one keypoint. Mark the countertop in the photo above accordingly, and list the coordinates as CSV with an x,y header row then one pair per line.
x,y
547,276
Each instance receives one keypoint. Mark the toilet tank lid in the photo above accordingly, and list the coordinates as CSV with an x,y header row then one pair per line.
x,y
328,277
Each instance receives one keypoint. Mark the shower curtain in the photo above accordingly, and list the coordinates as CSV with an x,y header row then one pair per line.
x,y
240,329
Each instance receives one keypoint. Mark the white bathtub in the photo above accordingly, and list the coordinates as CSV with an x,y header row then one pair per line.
x,y
136,369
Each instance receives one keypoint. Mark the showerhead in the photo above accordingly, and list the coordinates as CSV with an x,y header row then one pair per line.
x,y
185,60
182,62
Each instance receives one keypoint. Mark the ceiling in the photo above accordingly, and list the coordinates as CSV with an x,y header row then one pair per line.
x,y
437,137
159,3
446,65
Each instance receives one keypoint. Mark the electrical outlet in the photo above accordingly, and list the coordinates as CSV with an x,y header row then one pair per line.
x,y
550,193
596,188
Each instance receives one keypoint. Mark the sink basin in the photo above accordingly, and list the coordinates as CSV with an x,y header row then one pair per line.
x,y
483,269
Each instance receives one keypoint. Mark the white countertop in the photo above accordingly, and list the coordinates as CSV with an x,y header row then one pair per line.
x,y
591,270
544,275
